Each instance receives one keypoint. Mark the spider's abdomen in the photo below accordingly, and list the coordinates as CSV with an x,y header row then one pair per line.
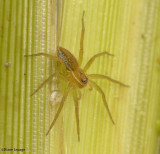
x,y
68,59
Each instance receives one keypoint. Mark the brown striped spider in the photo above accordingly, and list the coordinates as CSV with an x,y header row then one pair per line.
x,y
77,78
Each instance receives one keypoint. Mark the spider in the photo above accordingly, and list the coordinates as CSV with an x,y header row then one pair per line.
x,y
77,77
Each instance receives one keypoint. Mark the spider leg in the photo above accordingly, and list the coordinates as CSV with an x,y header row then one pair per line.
x,y
60,108
99,76
91,60
90,87
103,97
76,112
79,95
81,41
42,84
47,80
45,55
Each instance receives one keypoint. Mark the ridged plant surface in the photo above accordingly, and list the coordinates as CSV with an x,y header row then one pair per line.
x,y
129,29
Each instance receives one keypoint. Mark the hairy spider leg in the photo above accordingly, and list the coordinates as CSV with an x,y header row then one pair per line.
x,y
45,55
81,41
99,76
90,87
60,107
76,112
48,56
103,97
47,80
53,75
79,94
91,60
42,84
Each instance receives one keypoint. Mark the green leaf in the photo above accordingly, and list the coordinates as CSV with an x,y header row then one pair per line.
x,y
127,29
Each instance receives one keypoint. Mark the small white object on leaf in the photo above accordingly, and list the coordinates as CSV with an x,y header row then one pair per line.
x,y
56,97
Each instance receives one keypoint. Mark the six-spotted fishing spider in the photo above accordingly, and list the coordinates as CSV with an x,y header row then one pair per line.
x,y
76,77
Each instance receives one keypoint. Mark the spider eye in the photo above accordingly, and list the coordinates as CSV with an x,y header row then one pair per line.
x,y
84,80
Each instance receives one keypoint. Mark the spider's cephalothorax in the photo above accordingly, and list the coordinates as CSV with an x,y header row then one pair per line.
x,y
76,77
75,73
79,78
